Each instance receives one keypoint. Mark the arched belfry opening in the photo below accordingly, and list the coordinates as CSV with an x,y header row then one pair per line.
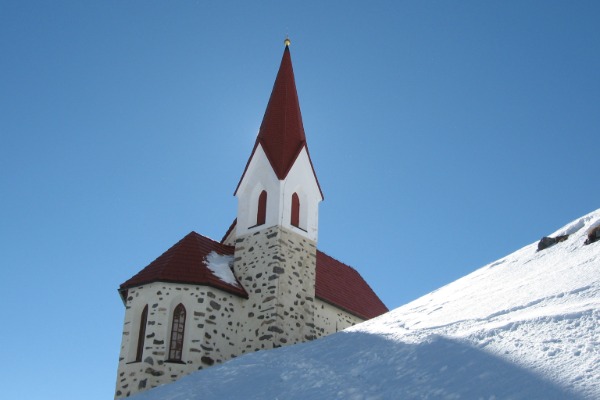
x,y
295,217
261,213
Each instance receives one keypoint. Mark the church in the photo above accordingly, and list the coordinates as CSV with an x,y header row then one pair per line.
x,y
263,285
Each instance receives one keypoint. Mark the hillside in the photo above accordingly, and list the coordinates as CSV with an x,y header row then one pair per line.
x,y
523,327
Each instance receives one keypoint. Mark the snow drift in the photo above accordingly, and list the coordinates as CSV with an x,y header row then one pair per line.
x,y
523,327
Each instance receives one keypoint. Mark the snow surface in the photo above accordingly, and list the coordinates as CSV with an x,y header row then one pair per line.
x,y
220,265
523,327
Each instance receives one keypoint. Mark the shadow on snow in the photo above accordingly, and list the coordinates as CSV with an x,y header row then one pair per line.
x,y
356,365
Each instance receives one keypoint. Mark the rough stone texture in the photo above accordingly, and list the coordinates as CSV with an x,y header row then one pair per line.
x,y
330,319
277,268
593,235
546,242
204,337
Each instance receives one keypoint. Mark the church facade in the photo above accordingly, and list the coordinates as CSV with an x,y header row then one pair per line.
x,y
264,285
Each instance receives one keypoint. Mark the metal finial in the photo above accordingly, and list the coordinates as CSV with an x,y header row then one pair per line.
x,y
287,41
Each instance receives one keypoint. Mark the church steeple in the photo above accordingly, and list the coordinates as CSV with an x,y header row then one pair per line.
x,y
281,133
280,163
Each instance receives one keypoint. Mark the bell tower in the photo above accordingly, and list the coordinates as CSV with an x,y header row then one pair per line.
x,y
277,223
279,173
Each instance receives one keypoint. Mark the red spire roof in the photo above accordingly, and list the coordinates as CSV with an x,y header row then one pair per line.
x,y
281,133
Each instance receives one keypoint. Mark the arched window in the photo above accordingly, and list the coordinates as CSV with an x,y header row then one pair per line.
x,y
261,214
141,334
295,220
176,345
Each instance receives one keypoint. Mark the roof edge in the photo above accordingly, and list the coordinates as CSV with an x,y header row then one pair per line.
x,y
354,313
231,228
281,178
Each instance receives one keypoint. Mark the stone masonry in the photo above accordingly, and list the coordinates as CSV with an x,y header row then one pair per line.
x,y
211,333
277,267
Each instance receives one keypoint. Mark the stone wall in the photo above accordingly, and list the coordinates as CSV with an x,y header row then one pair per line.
x,y
210,336
330,319
276,266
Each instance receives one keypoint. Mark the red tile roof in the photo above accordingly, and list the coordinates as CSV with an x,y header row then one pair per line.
x,y
185,263
336,282
342,286
281,133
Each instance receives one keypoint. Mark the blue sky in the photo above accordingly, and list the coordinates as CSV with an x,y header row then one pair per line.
x,y
444,134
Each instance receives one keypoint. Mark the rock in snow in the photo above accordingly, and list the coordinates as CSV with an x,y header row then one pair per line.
x,y
524,327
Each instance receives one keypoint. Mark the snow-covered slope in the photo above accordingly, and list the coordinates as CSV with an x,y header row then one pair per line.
x,y
523,327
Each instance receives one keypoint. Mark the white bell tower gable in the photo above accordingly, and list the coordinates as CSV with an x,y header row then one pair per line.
x,y
300,180
258,176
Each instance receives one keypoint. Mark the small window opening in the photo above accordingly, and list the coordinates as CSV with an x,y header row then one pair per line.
x,y
261,214
141,335
177,330
295,219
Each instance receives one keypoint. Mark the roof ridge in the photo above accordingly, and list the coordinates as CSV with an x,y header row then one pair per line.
x,y
336,260
185,262
229,230
168,254
220,243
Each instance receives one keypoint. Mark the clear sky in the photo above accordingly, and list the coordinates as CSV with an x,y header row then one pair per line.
x,y
445,135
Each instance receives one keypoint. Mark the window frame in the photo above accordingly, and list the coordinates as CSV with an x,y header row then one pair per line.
x,y
141,335
295,211
177,334
261,211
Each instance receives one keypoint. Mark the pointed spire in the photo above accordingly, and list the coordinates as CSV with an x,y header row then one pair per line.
x,y
281,133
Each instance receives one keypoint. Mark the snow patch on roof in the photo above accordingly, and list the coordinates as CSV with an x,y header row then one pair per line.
x,y
220,266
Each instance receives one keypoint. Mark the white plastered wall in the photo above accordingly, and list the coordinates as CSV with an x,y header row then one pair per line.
x,y
260,176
